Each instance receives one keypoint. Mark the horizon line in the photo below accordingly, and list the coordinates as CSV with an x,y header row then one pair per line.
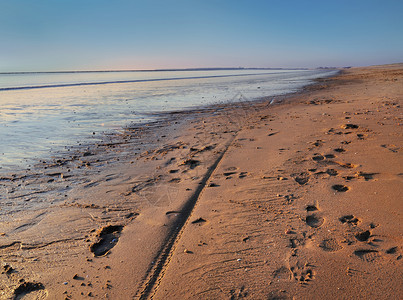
x,y
163,70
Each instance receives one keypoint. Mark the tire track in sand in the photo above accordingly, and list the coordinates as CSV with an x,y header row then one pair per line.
x,y
156,271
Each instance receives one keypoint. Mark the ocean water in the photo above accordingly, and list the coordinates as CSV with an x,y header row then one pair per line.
x,y
42,113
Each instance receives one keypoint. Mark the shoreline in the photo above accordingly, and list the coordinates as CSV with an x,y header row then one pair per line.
x,y
122,81
157,208
56,130
163,118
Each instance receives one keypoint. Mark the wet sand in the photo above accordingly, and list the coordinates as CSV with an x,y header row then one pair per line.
x,y
298,198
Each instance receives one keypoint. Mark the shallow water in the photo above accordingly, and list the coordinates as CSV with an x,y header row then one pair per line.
x,y
42,113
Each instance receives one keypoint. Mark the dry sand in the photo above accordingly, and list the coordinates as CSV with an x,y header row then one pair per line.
x,y
262,200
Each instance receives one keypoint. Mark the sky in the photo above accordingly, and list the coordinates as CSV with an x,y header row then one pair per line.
x,y
55,35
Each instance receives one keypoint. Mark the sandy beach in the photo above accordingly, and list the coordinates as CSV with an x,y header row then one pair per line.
x,y
296,197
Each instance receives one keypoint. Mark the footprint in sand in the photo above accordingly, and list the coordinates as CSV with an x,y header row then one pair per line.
x,y
363,236
367,255
296,242
361,136
314,220
346,165
359,234
332,172
191,163
350,126
302,274
301,178
366,176
318,157
349,219
392,148
318,143
33,290
339,150
227,174
282,273
348,178
330,245
311,208
340,188
243,174
107,238
392,250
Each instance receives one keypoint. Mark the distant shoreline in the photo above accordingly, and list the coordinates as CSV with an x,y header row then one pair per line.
x,y
123,81
154,70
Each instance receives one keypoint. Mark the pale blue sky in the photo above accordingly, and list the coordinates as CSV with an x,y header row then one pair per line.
x,y
97,34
